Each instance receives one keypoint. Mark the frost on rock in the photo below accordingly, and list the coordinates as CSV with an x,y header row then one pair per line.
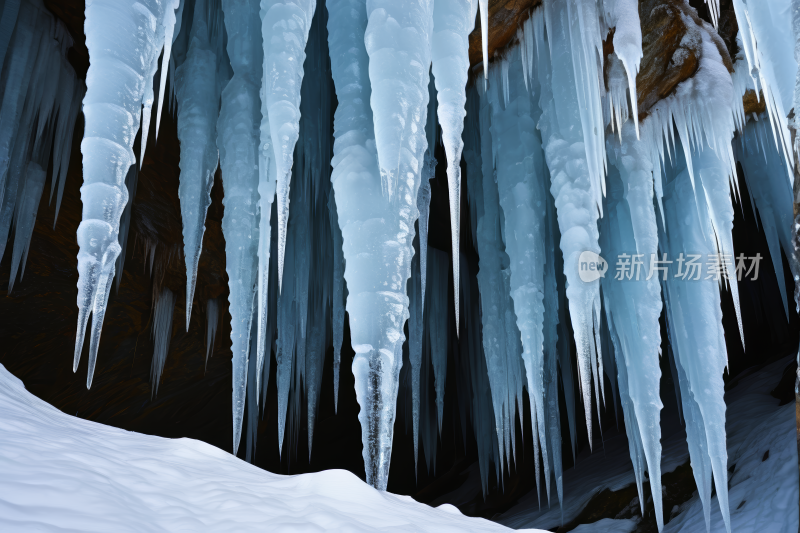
x,y
237,141
117,82
198,108
453,21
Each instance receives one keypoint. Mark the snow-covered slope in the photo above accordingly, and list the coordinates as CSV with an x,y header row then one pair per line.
x,y
61,473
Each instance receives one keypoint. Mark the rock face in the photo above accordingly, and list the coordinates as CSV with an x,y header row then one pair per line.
x,y
672,48
505,16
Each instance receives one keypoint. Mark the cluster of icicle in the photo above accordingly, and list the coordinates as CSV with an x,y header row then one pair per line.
x,y
554,158
40,98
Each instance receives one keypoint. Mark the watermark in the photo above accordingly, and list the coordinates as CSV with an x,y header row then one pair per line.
x,y
591,267
688,267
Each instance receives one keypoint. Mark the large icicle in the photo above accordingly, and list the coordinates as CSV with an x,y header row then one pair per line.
x,y
121,54
695,321
285,27
453,21
378,228
633,302
576,176
237,141
198,109
521,184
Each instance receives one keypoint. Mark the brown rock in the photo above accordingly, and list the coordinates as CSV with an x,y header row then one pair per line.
x,y
671,44
754,103
505,16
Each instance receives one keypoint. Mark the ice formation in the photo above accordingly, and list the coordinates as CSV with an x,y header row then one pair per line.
x,y
197,93
332,107
238,141
453,21
36,119
163,309
119,81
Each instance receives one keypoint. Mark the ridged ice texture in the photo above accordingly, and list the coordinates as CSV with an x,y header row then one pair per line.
x,y
633,307
574,183
161,330
285,25
694,317
765,173
377,232
237,141
198,109
124,39
769,45
522,185
453,21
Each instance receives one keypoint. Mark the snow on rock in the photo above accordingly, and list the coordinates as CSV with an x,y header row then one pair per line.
x,y
64,473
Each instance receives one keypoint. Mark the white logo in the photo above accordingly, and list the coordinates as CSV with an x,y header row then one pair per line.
x,y
591,266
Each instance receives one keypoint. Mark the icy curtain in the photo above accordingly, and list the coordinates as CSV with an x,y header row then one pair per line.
x,y
39,103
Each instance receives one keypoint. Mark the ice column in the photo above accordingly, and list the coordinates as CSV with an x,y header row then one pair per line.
x,y
121,54
238,140
198,109
453,21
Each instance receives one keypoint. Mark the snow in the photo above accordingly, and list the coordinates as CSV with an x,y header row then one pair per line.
x,y
62,473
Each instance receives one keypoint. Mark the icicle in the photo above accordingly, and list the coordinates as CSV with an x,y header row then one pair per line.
x,y
164,308
25,218
169,32
453,21
212,322
438,263
237,141
769,45
337,297
484,7
198,110
377,231
576,171
521,178
623,16
633,303
765,173
695,322
285,25
120,55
